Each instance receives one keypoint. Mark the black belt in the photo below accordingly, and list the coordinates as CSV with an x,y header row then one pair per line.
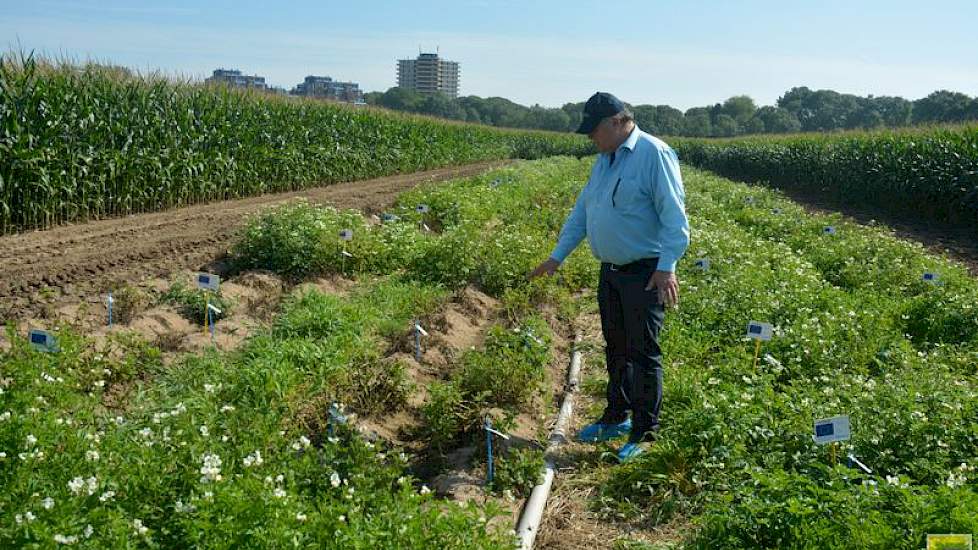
x,y
637,265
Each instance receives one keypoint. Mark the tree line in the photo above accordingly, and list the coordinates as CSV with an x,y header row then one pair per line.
x,y
800,109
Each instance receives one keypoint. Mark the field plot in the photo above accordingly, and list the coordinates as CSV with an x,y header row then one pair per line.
x,y
135,432
859,330
117,438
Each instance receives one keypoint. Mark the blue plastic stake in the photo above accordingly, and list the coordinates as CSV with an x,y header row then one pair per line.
x,y
212,310
335,417
417,341
110,309
489,471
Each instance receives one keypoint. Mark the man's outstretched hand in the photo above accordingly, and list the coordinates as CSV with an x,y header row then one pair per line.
x,y
667,285
548,267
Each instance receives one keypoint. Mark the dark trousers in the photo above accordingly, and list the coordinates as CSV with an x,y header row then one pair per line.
x,y
631,318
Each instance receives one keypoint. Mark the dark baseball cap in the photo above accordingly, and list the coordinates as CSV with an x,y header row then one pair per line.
x,y
600,106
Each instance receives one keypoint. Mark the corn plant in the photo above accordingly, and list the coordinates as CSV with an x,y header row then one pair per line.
x,y
86,142
933,169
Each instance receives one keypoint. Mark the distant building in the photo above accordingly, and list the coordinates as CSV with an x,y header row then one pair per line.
x,y
235,78
326,87
429,74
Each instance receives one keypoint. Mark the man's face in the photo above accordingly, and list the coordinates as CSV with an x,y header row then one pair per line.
x,y
605,135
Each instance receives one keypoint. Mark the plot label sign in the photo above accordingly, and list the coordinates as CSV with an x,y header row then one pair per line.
x,y
208,281
828,430
759,331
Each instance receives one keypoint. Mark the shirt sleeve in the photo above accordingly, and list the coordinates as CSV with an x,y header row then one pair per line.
x,y
574,230
667,189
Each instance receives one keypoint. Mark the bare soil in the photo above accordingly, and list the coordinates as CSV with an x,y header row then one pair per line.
x,y
43,271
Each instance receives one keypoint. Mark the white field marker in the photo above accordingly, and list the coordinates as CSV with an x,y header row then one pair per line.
x,y
529,333
853,461
759,331
109,301
419,331
422,209
487,425
336,416
500,434
831,430
212,310
346,235
345,255
208,282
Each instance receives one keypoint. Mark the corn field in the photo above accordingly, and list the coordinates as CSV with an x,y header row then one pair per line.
x,y
87,142
934,170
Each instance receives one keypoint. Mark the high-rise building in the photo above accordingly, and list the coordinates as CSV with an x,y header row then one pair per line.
x,y
429,74
235,78
324,86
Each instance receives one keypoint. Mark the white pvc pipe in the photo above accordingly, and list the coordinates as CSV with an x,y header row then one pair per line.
x,y
529,524
532,515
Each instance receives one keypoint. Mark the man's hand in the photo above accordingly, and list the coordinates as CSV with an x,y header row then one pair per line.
x,y
548,267
667,285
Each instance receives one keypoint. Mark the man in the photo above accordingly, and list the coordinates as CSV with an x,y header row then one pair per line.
x,y
633,212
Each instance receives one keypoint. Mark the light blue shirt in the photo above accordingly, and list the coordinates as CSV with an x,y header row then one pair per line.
x,y
632,209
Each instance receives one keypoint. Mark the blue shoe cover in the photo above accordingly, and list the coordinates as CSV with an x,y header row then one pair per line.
x,y
603,432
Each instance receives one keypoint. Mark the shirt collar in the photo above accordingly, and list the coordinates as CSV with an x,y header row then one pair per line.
x,y
632,139
629,142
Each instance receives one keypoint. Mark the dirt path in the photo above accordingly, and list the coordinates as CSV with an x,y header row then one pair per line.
x,y
574,517
42,270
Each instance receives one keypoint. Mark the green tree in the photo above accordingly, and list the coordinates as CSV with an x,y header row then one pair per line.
x,y
821,110
777,120
401,99
441,105
753,126
659,119
942,106
575,112
741,108
645,118
895,111
543,118
725,126
471,115
696,122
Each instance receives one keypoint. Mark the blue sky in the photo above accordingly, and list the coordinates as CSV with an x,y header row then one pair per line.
x,y
680,53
